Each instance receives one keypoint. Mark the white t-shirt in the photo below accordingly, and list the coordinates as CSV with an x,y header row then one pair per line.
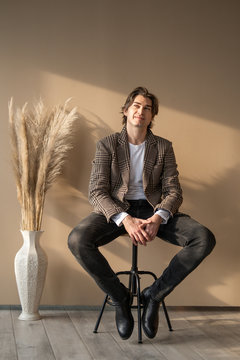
x,y
135,188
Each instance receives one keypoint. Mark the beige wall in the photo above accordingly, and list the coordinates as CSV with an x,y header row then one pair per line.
x,y
187,52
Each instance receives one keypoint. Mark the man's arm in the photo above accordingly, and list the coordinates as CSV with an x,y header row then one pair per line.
x,y
99,185
171,189
171,194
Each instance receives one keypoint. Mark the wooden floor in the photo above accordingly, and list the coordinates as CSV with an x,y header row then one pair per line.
x,y
63,334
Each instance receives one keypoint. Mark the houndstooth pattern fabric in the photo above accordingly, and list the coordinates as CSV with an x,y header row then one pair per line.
x,y
110,175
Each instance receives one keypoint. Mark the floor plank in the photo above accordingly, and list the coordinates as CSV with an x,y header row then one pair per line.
x,y
31,340
101,346
7,340
66,343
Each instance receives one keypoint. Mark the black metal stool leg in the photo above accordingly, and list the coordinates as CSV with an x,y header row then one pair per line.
x,y
139,307
166,316
100,315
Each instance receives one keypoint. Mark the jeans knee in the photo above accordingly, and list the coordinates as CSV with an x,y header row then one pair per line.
x,y
74,240
207,240
211,240
80,242
202,240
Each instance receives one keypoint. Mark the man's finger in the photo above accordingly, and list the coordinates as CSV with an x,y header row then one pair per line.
x,y
145,222
141,239
146,235
134,241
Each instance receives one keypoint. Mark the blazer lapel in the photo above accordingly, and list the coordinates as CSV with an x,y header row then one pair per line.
x,y
124,158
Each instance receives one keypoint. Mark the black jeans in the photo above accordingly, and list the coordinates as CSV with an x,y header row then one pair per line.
x,y
93,231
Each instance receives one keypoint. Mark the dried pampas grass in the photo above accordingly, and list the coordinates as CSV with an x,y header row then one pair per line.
x,y
40,139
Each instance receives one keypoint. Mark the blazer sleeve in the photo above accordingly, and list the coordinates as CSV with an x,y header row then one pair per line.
x,y
100,183
171,189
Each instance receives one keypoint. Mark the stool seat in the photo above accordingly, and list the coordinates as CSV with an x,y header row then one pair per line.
x,y
134,287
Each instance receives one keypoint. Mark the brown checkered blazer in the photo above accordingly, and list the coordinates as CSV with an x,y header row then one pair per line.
x,y
110,175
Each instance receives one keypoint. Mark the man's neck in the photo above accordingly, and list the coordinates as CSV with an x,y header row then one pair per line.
x,y
136,135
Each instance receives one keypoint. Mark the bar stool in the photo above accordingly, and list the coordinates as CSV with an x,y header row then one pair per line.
x,y
134,287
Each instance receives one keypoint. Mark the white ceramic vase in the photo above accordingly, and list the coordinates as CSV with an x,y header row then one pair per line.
x,y
30,270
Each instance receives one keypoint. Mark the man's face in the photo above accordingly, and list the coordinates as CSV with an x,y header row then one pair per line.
x,y
139,114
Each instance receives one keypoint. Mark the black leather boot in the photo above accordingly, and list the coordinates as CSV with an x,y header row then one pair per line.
x,y
124,318
150,316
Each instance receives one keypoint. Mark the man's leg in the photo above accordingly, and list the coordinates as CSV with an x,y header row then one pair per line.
x,y
83,241
197,242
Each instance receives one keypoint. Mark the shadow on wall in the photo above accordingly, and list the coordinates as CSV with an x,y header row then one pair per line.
x,y
71,189
221,199
86,134
71,286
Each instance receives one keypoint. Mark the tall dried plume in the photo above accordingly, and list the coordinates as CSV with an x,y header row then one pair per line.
x,y
40,139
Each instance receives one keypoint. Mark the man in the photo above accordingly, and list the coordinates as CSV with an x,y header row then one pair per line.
x,y
134,189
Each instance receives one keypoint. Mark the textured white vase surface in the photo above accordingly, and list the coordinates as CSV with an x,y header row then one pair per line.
x,y
30,270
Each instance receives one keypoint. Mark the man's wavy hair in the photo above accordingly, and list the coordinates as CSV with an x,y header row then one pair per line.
x,y
130,99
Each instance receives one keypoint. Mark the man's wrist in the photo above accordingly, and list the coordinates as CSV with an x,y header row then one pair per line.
x,y
157,219
164,214
126,219
118,218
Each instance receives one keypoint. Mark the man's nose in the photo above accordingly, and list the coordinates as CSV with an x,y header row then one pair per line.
x,y
140,110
